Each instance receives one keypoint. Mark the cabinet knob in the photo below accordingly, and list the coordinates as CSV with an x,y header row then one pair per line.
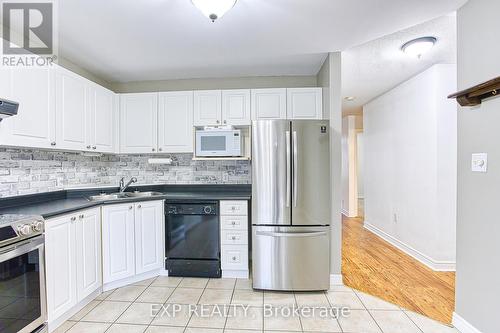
x,y
88,147
139,206
53,143
217,121
81,216
152,149
130,207
234,258
233,223
225,121
233,238
94,147
73,219
160,149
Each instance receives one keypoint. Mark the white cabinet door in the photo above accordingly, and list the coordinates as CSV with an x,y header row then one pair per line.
x,y
207,107
34,125
118,252
175,122
60,259
304,103
88,253
101,129
268,104
138,123
236,107
149,248
72,110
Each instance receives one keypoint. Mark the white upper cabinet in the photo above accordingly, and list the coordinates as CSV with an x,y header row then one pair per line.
x,y
72,110
34,125
236,107
207,107
304,103
138,123
101,129
149,249
175,122
268,104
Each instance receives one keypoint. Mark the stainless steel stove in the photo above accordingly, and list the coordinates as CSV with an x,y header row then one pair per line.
x,y
23,299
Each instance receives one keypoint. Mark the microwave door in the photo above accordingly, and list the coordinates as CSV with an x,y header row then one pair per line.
x,y
210,144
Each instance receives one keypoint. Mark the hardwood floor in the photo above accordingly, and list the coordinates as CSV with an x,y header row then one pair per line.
x,y
374,266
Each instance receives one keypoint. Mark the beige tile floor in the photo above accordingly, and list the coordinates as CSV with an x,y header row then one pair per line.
x,y
128,310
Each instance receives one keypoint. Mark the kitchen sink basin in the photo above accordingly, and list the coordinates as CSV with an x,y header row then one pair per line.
x,y
122,195
142,194
105,196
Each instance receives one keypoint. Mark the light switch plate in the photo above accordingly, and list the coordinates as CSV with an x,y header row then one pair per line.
x,y
479,162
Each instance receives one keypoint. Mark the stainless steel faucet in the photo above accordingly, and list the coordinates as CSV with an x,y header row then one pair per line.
x,y
124,186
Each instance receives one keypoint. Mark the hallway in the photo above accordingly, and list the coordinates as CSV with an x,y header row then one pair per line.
x,y
374,266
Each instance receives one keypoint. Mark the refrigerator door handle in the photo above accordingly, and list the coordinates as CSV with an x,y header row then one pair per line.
x,y
288,168
291,234
295,172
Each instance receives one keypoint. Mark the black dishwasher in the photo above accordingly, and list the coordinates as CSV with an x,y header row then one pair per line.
x,y
192,241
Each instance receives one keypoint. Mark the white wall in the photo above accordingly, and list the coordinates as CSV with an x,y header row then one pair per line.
x,y
410,166
478,227
349,167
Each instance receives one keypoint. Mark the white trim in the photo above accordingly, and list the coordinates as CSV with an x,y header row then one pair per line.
x,y
131,280
440,266
463,325
336,280
238,274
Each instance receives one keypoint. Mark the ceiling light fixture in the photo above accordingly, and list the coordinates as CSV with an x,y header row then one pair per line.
x,y
214,9
417,47
350,98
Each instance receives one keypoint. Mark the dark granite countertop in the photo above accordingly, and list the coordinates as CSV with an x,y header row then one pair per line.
x,y
66,201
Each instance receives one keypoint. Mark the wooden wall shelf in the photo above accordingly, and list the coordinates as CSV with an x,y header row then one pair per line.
x,y
475,95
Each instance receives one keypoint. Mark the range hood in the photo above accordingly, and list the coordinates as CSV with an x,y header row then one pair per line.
x,y
8,108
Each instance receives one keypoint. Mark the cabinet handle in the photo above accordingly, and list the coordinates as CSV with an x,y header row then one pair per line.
x,y
217,121
225,121
152,149
95,147
233,223
73,218
88,147
139,206
233,238
234,258
160,149
53,143
130,207
81,216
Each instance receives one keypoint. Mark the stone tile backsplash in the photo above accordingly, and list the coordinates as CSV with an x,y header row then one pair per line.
x,y
32,171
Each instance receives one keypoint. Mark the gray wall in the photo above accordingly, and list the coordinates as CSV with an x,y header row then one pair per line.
x,y
329,78
478,227
34,171
216,83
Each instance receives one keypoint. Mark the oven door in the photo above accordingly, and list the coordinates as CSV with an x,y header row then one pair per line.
x,y
22,286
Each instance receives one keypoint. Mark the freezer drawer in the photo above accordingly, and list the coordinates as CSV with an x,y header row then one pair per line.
x,y
291,258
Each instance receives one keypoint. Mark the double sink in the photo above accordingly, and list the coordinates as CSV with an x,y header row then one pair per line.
x,y
122,195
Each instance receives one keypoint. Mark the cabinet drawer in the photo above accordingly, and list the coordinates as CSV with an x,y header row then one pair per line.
x,y
238,207
234,222
234,257
236,237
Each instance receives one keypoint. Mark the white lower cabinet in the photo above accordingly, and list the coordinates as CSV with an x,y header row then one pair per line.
x,y
234,238
132,239
73,265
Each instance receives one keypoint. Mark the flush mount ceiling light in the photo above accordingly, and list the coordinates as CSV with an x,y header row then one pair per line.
x,y
417,47
350,98
214,9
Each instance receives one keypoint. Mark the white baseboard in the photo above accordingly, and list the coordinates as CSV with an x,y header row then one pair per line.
x,y
235,274
336,280
439,266
463,325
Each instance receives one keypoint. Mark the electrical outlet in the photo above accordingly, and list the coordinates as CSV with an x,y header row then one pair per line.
x,y
395,218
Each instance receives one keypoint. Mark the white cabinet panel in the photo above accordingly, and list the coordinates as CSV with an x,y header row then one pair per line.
x,y
60,258
236,107
149,247
72,109
88,252
138,123
175,117
207,107
234,207
234,257
118,242
268,104
234,222
304,103
102,127
34,125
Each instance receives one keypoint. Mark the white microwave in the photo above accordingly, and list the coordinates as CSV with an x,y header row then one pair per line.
x,y
218,143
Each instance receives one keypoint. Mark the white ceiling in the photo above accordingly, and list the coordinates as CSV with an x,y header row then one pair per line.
x,y
137,40
375,67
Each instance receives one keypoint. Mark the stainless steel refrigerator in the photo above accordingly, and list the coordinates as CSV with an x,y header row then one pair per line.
x,y
291,204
